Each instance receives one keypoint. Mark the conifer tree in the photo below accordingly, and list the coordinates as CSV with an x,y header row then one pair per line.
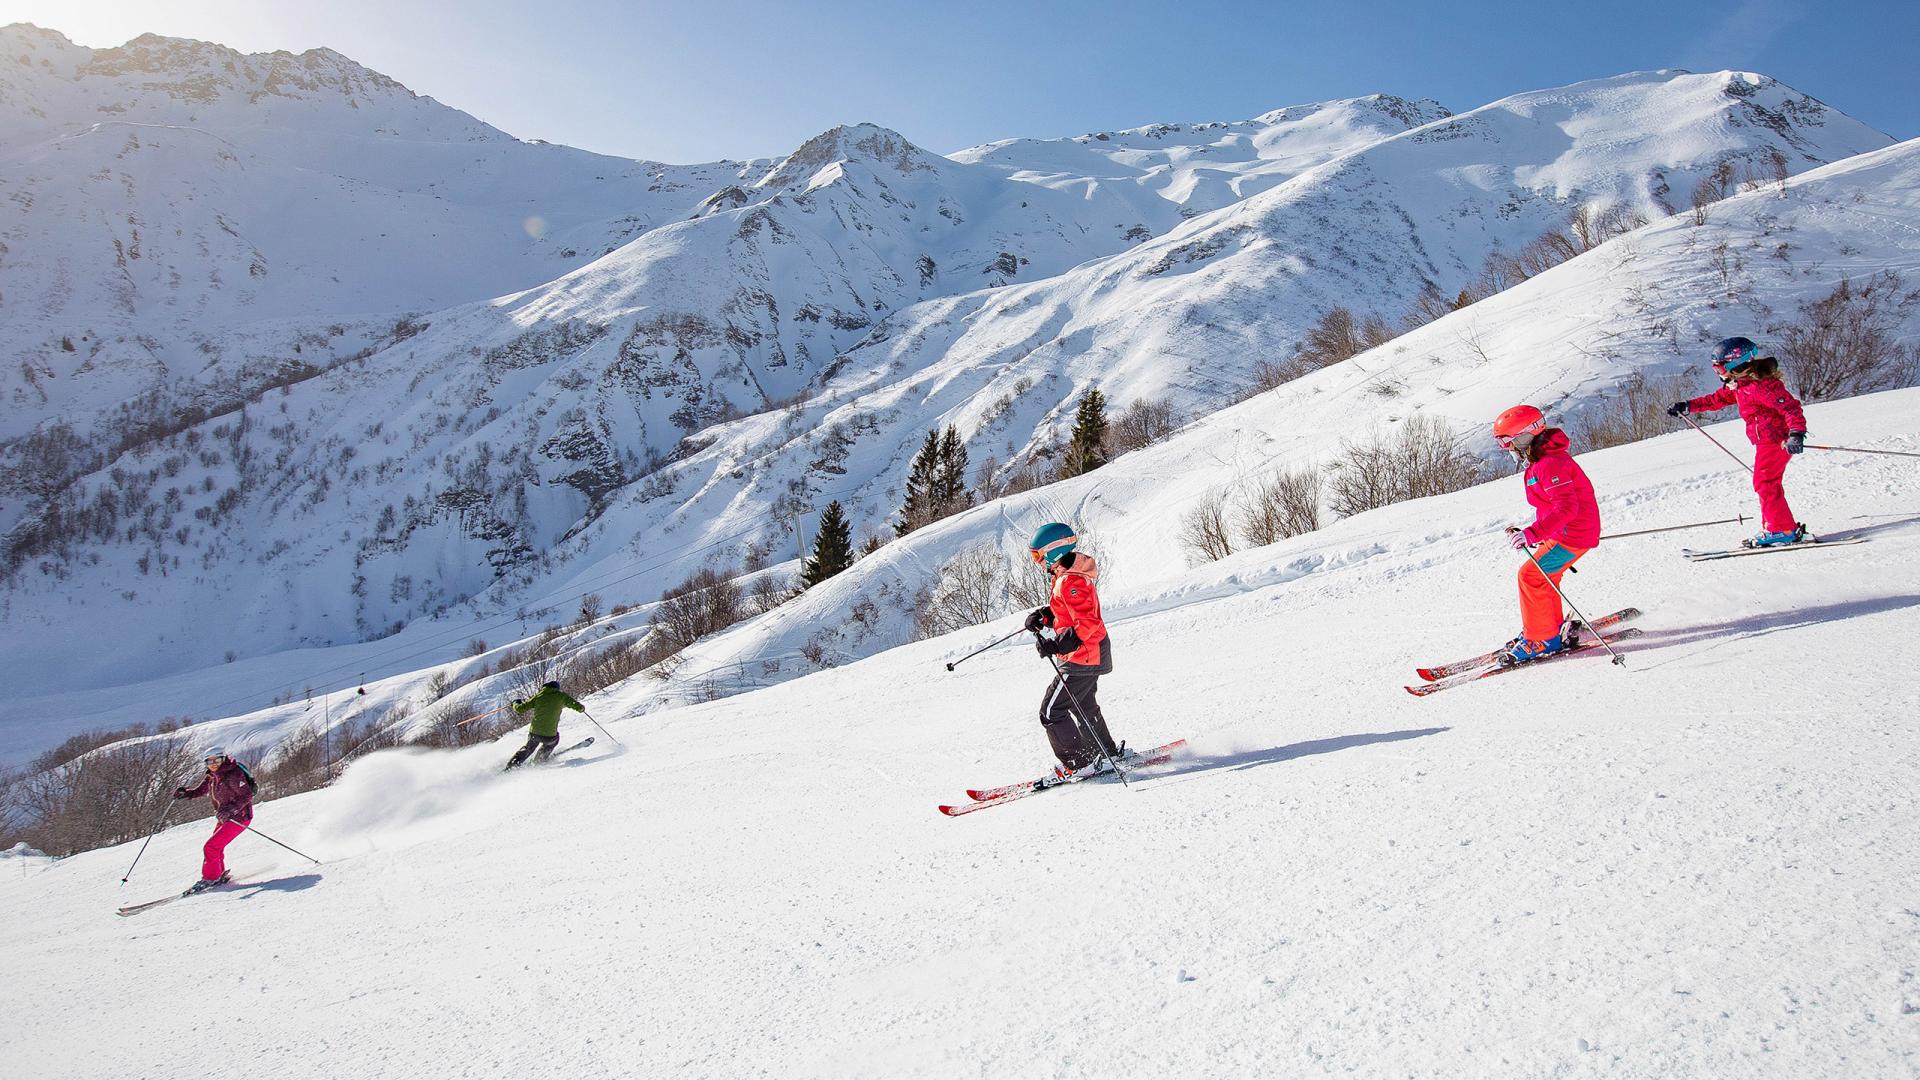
x,y
951,488
1087,449
923,480
832,547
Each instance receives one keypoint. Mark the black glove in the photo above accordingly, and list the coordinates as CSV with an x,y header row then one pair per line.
x,y
180,793
1796,442
1039,617
1067,641
1678,408
517,704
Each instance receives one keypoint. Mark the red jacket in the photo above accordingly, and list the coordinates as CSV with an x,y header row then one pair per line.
x,y
1564,508
1075,606
232,790
1769,410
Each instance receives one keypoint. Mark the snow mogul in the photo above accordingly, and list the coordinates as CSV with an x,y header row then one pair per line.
x,y
1776,425
231,787
1069,634
1566,525
543,734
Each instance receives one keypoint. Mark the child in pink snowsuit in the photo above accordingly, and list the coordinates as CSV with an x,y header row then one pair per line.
x,y
231,787
1776,426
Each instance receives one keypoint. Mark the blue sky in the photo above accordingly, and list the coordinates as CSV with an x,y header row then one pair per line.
x,y
689,80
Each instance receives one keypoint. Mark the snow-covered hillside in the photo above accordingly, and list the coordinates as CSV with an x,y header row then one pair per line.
x,y
185,225
1700,864
527,446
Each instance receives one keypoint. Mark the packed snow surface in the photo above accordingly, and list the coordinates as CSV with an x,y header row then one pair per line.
x,y
1699,864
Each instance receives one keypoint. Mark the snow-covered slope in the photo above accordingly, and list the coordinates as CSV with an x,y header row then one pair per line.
x,y
1699,864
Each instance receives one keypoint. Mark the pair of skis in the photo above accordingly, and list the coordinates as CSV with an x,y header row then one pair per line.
x,y
1798,545
1460,672
982,798
193,890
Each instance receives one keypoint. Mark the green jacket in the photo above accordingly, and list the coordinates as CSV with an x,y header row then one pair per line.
x,y
546,706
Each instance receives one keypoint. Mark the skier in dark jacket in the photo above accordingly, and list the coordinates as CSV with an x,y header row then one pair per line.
x,y
544,733
1070,627
232,787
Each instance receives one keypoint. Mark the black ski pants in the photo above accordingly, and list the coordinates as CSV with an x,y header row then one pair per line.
x,y
1075,690
544,744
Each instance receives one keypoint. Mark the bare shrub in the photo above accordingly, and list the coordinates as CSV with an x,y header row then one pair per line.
x,y
591,607
971,588
477,647
1144,423
1340,336
105,797
1847,342
1716,186
769,592
1638,411
1286,505
705,603
1422,457
1203,529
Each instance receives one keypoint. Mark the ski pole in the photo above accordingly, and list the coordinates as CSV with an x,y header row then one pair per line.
x,y
482,716
1676,528
1617,658
981,649
1861,450
1080,717
603,730
271,840
1688,417
164,811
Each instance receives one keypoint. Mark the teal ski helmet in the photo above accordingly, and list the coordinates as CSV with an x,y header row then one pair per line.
x,y
1051,541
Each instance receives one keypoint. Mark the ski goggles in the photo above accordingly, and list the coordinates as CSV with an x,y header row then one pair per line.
x,y
1520,440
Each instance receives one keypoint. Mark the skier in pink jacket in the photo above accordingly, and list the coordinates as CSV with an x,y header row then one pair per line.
x,y
1776,426
1566,525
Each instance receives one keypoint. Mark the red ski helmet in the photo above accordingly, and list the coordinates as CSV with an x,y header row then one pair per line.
x,y
1518,425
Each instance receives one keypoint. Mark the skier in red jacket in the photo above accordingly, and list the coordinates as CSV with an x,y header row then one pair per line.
x,y
1776,425
1070,627
1566,525
232,787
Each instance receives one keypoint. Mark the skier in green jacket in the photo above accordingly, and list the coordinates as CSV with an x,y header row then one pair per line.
x,y
544,733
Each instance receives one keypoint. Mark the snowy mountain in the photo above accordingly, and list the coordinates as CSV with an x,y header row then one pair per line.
x,y
1696,865
187,221
469,465
1207,166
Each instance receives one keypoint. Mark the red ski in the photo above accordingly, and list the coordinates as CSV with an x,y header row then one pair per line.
x,y
983,798
1461,679
1441,671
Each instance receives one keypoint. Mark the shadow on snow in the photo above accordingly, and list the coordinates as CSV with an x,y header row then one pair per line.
x,y
1753,626
1193,768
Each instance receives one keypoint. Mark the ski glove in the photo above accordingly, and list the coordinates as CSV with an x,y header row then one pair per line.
x,y
1517,537
1066,642
1678,408
180,792
1038,617
1796,442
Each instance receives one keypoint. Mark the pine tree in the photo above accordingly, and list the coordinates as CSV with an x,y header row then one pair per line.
x,y
951,488
1087,449
832,547
923,482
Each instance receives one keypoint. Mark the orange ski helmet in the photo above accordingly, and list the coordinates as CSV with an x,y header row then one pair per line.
x,y
1518,425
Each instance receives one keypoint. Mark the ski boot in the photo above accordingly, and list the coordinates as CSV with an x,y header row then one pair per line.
x,y
207,883
1523,649
1774,539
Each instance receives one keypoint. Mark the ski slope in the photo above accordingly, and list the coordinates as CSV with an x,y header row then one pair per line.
x,y
1700,864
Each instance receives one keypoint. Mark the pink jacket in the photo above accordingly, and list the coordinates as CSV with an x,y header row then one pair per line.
x,y
1564,508
1769,410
